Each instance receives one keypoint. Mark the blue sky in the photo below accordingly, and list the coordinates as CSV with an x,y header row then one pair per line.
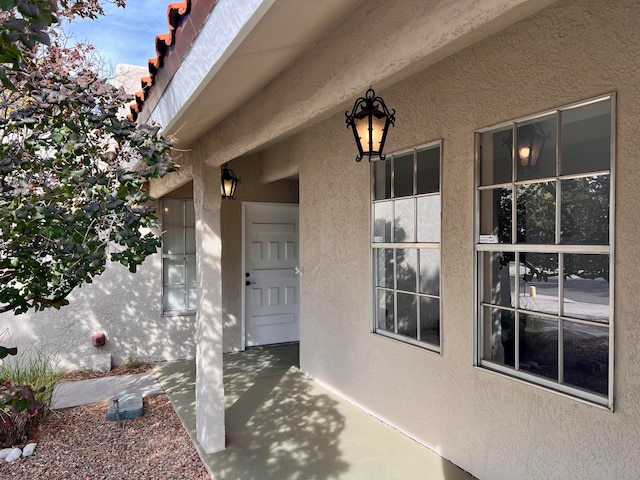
x,y
124,35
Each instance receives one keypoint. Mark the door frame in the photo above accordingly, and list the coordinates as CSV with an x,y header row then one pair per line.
x,y
243,332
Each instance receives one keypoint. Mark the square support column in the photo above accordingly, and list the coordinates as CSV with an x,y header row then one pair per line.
x,y
210,430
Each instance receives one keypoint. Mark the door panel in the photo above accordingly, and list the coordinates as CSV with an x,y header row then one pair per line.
x,y
272,288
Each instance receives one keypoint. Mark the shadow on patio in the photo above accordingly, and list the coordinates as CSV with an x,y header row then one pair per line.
x,y
282,425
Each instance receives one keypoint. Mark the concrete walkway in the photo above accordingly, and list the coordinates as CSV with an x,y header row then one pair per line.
x,y
83,392
282,425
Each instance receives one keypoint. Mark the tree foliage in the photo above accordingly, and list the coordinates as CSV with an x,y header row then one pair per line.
x,y
72,172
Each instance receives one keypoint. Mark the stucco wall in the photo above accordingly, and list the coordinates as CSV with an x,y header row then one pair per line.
x,y
493,426
125,306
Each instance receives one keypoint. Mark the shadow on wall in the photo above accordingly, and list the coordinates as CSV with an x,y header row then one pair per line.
x,y
126,307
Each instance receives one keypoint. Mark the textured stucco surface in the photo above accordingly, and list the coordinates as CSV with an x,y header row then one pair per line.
x,y
493,426
325,79
125,306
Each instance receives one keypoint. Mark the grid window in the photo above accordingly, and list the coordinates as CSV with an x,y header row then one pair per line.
x,y
405,245
178,257
544,249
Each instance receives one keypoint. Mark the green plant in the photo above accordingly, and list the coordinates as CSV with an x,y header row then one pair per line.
x,y
133,360
34,368
26,390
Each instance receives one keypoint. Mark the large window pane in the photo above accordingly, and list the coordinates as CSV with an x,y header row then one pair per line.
x,y
586,356
406,269
428,228
499,336
178,259
430,271
174,271
190,277
403,175
539,282
536,213
174,298
172,213
499,279
384,263
382,218
586,138
429,170
586,287
189,213
539,346
495,215
558,296
173,241
585,211
405,221
495,158
430,320
407,315
536,148
382,180
190,240
386,310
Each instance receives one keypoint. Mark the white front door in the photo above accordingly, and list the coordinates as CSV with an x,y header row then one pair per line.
x,y
271,284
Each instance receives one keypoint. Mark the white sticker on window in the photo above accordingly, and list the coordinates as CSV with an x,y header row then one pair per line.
x,y
488,239
378,239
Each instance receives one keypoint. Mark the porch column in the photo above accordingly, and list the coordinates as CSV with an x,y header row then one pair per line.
x,y
209,386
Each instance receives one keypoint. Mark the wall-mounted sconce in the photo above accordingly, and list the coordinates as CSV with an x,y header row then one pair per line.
x,y
229,182
530,140
370,120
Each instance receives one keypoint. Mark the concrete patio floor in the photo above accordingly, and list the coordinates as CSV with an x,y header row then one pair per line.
x,y
282,425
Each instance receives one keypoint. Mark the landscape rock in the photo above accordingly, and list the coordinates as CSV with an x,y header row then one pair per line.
x,y
4,453
15,454
101,362
28,449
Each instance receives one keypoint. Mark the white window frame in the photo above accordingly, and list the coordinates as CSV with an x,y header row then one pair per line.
x,y
559,249
377,245
168,256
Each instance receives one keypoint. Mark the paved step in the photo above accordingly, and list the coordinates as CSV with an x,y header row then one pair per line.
x,y
83,392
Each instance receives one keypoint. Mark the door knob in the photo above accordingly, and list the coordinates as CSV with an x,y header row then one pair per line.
x,y
249,283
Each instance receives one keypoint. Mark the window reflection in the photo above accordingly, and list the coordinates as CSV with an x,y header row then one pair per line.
x,y
406,270
585,211
539,282
407,315
586,287
539,346
536,215
586,356
500,278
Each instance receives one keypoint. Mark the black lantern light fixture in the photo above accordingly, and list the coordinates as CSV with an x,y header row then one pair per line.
x,y
370,120
530,140
229,182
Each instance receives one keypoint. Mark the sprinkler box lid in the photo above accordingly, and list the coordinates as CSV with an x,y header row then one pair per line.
x,y
129,405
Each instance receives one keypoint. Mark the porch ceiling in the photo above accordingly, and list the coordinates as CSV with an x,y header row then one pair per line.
x,y
278,32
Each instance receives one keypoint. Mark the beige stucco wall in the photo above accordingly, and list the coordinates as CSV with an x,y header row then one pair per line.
x,y
493,426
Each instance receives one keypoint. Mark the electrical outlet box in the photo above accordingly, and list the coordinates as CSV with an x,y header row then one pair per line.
x,y
98,339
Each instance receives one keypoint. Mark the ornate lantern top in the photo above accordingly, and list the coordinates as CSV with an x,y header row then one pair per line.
x,y
370,120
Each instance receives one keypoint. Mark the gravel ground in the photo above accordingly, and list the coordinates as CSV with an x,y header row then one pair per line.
x,y
80,444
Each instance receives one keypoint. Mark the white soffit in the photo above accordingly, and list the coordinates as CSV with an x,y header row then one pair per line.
x,y
240,49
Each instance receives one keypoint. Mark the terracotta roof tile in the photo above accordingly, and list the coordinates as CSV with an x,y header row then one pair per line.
x,y
182,31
